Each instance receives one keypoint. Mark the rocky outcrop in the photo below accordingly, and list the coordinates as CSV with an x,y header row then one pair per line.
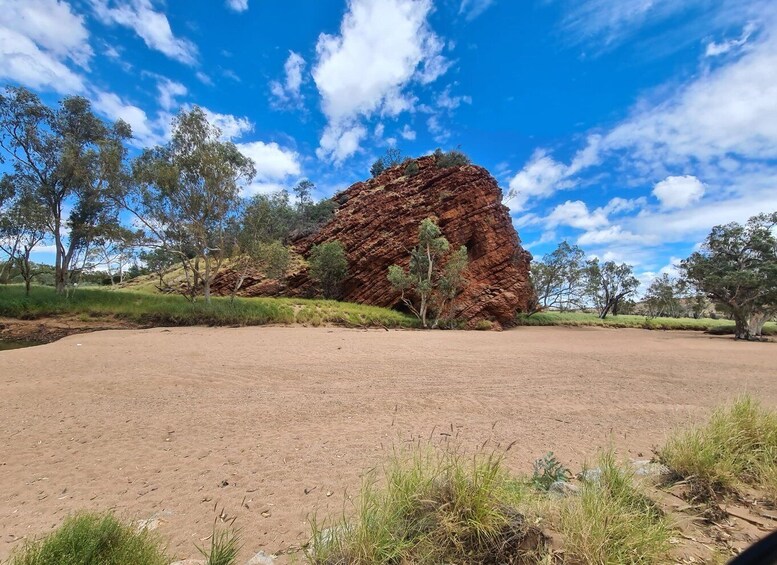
x,y
377,222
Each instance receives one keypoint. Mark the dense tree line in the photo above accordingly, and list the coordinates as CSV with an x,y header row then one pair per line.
x,y
73,184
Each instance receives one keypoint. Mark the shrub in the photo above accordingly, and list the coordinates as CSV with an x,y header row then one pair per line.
x,y
453,158
612,521
377,167
434,507
737,446
411,169
92,539
548,470
328,266
484,325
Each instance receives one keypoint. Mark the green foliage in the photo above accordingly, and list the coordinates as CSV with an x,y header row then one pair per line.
x,y
272,217
548,470
92,539
328,266
411,169
612,521
185,194
68,161
664,297
736,447
431,507
484,325
609,284
559,278
453,158
737,267
377,167
431,283
224,547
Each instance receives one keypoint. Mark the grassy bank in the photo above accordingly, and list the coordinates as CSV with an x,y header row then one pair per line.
x,y
629,321
170,310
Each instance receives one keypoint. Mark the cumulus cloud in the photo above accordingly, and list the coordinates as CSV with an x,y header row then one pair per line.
x,y
237,5
407,133
288,92
274,166
149,24
678,192
232,127
575,214
38,38
382,46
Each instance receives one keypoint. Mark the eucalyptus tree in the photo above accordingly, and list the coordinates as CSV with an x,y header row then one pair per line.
x,y
737,267
22,228
608,284
434,277
186,193
70,162
558,278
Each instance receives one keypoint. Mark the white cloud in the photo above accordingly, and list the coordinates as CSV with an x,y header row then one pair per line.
x,y
274,165
37,38
169,90
146,132
52,25
576,214
448,102
232,127
407,133
608,235
731,111
543,176
715,49
237,5
339,142
678,192
473,8
288,91
149,24
382,47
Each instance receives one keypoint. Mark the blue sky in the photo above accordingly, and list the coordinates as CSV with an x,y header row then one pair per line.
x,y
628,126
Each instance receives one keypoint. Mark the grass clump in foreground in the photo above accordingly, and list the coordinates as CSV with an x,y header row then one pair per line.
x,y
224,547
611,520
736,447
432,507
92,539
173,310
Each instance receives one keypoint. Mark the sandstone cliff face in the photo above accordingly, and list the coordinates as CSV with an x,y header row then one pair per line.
x,y
377,222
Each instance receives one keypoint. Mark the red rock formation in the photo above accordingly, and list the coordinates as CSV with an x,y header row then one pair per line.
x,y
377,223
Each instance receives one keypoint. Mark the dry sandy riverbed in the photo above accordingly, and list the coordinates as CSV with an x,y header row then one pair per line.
x,y
170,423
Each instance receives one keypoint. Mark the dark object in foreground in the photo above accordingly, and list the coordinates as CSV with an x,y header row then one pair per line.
x,y
763,552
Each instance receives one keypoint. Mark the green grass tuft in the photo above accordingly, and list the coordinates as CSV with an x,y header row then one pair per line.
x,y
92,539
224,547
612,521
432,507
736,447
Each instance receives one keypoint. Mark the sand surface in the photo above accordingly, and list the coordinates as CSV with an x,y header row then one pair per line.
x,y
169,424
